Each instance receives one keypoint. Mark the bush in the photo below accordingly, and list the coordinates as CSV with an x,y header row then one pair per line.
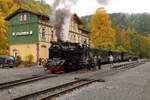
x,y
29,58
18,60
29,61
29,64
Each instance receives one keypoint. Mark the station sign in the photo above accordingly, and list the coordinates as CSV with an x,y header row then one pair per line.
x,y
22,33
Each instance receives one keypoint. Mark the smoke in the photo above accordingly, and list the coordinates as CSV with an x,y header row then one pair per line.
x,y
61,17
103,2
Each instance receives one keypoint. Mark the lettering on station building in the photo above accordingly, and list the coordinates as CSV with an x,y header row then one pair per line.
x,y
22,33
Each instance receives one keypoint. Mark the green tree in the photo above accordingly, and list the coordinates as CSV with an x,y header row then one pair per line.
x,y
145,45
122,42
134,42
86,23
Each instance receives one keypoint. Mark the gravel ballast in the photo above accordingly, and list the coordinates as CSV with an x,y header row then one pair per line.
x,y
10,74
19,73
133,84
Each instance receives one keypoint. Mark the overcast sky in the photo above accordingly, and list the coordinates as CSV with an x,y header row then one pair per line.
x,y
87,7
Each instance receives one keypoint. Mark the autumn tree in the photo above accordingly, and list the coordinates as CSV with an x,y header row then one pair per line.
x,y
122,42
39,6
103,35
134,42
145,45
6,8
3,37
132,32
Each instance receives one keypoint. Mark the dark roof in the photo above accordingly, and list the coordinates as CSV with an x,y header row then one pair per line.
x,y
39,14
75,16
25,10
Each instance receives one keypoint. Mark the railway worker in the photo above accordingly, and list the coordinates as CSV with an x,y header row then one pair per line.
x,y
99,62
111,59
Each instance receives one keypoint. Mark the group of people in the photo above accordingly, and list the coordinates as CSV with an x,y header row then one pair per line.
x,y
42,61
95,62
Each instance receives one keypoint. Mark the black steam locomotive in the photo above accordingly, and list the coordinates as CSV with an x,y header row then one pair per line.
x,y
66,56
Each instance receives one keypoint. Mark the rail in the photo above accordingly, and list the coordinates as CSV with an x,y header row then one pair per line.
x,y
22,81
52,92
49,93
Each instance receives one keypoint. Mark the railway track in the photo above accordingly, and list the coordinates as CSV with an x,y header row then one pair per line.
x,y
124,67
112,71
129,65
50,93
22,81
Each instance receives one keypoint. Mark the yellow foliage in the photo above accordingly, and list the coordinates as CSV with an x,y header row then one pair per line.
x,y
121,48
6,8
3,37
122,40
103,35
145,44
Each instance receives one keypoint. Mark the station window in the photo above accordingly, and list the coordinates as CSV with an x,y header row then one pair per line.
x,y
43,34
15,53
22,17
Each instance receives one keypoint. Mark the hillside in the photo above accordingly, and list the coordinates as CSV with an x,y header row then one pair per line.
x,y
132,32
138,22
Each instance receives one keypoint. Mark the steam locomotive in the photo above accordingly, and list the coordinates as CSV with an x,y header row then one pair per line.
x,y
66,56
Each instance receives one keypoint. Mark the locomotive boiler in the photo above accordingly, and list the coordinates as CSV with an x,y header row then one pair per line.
x,y
66,56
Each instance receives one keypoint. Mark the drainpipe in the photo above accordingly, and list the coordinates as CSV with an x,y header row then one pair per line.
x,y
38,52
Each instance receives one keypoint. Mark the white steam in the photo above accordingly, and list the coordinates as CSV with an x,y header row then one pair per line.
x,y
61,17
103,2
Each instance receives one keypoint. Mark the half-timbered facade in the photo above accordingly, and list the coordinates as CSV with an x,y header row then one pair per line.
x,y
30,33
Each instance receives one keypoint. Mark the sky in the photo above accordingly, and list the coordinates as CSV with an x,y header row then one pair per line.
x,y
88,7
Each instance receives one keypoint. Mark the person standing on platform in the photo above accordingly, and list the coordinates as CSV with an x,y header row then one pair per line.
x,y
111,59
99,62
95,63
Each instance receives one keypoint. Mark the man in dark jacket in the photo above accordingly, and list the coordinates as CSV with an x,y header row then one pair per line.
x,y
99,62
94,62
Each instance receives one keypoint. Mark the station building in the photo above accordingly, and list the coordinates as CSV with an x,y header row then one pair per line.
x,y
30,33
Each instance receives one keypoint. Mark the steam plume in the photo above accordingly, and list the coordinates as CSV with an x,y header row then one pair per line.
x,y
104,2
61,17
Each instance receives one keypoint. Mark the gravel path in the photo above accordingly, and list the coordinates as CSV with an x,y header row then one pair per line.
x,y
19,73
133,84
10,74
